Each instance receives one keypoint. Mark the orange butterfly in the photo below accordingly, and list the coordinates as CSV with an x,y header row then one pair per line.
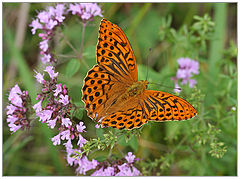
x,y
112,94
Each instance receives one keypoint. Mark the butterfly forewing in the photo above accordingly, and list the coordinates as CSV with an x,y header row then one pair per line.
x,y
114,52
99,90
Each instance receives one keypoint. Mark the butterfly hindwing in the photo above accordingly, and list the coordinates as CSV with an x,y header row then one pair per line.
x,y
130,118
161,106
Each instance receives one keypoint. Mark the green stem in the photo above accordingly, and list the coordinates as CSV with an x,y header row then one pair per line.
x,y
216,50
82,41
74,49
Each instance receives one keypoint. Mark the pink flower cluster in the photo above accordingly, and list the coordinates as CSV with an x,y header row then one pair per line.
x,y
56,112
48,20
57,107
118,168
17,110
187,68
83,164
86,11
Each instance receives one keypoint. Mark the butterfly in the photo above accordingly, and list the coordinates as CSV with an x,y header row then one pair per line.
x,y
112,94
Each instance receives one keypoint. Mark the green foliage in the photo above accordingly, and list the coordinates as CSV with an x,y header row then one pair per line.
x,y
156,167
72,67
187,41
108,140
210,136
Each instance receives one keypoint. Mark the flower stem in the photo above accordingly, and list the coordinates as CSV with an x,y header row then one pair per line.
x,y
82,41
74,49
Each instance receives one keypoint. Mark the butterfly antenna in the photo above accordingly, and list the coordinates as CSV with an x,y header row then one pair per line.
x,y
177,88
147,62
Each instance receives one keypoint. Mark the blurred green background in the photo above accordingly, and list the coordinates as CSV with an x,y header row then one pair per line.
x,y
172,148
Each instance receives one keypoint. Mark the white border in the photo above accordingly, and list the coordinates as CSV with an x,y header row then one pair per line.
x,y
121,1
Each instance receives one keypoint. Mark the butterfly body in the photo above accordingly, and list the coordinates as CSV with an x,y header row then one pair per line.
x,y
136,88
112,94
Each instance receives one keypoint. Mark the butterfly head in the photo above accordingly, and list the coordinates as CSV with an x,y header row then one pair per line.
x,y
145,83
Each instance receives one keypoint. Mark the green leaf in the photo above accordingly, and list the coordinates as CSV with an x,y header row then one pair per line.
x,y
121,141
72,67
101,158
133,142
79,113
100,133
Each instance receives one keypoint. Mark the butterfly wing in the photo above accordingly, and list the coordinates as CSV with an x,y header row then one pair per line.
x,y
129,115
115,72
151,105
161,106
114,53
99,90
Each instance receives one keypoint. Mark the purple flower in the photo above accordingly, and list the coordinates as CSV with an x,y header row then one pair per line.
x,y
191,65
177,88
51,24
68,144
65,134
85,165
46,58
14,127
52,123
38,107
35,25
16,100
45,115
192,83
70,160
51,11
81,140
113,169
59,12
17,109
12,119
109,171
44,45
16,90
58,89
43,17
11,109
66,122
64,99
135,172
126,170
39,77
187,68
56,140
80,127
50,71
75,8
14,96
85,10
90,10
130,157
